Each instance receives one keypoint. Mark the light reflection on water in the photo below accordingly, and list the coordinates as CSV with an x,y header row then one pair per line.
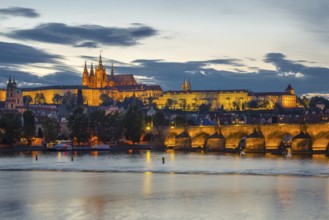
x,y
137,185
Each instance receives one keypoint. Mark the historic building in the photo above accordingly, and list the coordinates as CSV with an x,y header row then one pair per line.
x,y
96,82
98,78
14,96
286,99
190,100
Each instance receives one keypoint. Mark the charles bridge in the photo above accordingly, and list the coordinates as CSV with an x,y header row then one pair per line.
x,y
305,138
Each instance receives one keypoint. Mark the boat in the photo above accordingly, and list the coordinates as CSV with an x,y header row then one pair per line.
x,y
62,145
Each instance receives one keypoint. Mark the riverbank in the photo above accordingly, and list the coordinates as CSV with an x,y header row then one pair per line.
x,y
122,147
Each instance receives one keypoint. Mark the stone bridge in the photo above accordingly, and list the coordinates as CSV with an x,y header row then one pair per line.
x,y
309,137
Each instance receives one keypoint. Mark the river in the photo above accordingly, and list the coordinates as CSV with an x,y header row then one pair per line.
x,y
137,185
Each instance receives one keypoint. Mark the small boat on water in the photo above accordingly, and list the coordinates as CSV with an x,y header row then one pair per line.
x,y
63,145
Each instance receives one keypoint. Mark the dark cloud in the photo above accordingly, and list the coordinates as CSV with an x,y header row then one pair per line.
x,y
88,44
171,74
84,35
13,53
18,11
282,64
26,79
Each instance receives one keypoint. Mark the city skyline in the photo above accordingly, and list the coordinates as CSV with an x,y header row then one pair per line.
x,y
262,46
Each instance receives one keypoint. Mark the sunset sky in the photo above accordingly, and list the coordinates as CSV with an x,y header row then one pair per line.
x,y
261,45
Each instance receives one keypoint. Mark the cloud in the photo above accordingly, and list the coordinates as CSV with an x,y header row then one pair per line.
x,y
171,74
19,12
26,79
19,54
88,44
85,35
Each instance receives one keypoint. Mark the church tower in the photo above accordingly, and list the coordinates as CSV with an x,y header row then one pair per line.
x,y
14,96
186,86
85,77
101,77
290,90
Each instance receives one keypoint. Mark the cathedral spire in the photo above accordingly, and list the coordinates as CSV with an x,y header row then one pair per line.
x,y
112,70
91,69
100,62
85,66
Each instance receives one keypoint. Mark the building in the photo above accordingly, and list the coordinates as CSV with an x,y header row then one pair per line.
x,y
286,99
191,100
96,82
14,96
98,78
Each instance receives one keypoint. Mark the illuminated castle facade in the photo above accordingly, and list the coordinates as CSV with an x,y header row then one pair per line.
x,y
190,100
98,78
96,82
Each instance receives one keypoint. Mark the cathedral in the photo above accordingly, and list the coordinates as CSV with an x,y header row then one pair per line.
x,y
98,78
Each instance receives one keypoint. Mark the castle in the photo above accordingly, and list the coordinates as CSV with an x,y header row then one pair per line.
x,y
190,100
99,79
96,82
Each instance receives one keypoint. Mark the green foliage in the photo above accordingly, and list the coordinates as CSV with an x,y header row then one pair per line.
x,y
204,108
262,104
50,127
27,99
39,98
134,124
28,126
106,100
69,101
131,101
11,126
159,119
180,121
57,99
78,124
317,100
101,125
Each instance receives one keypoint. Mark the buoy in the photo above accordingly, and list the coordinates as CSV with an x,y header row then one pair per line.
x,y
71,158
163,160
36,157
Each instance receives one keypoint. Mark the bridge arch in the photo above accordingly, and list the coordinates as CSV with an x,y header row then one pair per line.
x,y
199,140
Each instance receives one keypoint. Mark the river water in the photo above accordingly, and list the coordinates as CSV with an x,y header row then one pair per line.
x,y
139,186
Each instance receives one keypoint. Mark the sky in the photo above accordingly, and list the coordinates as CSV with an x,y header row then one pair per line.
x,y
260,45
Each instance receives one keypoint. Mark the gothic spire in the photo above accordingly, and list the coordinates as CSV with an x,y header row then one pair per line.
x,y
112,70
92,70
100,62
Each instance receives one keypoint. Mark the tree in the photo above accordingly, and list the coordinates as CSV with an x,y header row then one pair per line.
x,y
317,100
39,98
100,125
50,127
180,121
131,101
159,119
27,99
69,100
204,108
57,99
28,126
78,125
134,124
118,122
106,100
11,126
80,99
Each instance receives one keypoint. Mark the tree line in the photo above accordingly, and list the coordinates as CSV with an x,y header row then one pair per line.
x,y
82,125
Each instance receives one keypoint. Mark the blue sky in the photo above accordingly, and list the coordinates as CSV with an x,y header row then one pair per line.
x,y
261,45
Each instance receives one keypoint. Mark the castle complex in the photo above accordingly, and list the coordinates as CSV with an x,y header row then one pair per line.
x,y
96,82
